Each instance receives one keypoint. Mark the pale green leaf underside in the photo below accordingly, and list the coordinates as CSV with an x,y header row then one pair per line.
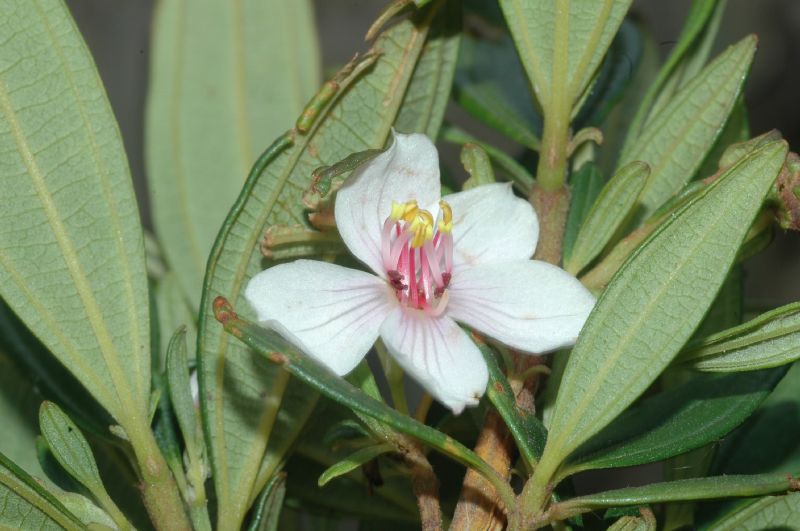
x,y
242,391
676,141
655,302
25,504
69,446
632,523
592,25
353,461
227,78
771,512
612,207
71,252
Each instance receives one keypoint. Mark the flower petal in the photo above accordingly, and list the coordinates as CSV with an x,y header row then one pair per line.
x,y
491,224
408,170
439,355
528,305
330,312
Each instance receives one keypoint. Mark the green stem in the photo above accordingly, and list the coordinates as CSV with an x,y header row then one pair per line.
x,y
160,492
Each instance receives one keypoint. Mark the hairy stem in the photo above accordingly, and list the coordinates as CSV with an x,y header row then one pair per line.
x,y
426,488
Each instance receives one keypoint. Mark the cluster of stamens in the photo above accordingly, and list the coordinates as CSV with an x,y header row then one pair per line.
x,y
417,252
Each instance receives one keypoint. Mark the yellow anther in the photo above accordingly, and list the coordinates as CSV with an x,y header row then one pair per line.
x,y
422,227
446,223
405,211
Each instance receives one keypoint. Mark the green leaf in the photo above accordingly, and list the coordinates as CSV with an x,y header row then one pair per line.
x,y
528,432
353,461
476,161
429,90
268,507
227,78
607,215
490,84
313,373
242,392
180,394
655,301
676,141
696,20
71,251
699,411
26,504
73,453
769,340
634,523
174,312
770,512
585,186
682,490
511,169
586,27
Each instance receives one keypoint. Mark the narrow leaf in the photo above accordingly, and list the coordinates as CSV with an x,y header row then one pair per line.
x,y
490,84
608,213
770,340
538,27
313,373
227,78
655,302
676,141
180,393
683,490
585,186
243,392
26,504
268,508
353,461
71,251
74,454
702,410
634,523
476,162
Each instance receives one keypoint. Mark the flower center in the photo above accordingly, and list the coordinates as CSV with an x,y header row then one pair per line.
x,y
417,252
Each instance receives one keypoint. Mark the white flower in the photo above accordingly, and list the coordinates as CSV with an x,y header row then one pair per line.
x,y
466,258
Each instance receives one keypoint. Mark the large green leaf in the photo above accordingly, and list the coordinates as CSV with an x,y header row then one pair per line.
x,y
71,251
540,27
676,141
655,302
699,411
770,512
227,78
241,393
26,504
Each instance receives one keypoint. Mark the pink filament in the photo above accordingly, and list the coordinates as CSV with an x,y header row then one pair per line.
x,y
419,276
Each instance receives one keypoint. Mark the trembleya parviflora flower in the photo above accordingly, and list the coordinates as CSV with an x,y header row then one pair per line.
x,y
435,262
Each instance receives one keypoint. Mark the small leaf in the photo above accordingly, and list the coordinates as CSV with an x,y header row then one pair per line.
x,y
353,461
585,186
71,252
608,213
770,340
676,141
476,162
268,507
528,432
74,454
770,512
490,84
26,504
579,31
701,410
655,302
634,523
180,393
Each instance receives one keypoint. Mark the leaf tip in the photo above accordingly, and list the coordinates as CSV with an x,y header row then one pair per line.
x,y
223,311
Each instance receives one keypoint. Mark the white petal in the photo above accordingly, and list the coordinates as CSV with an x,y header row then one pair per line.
x,y
439,355
330,312
491,224
528,305
408,170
